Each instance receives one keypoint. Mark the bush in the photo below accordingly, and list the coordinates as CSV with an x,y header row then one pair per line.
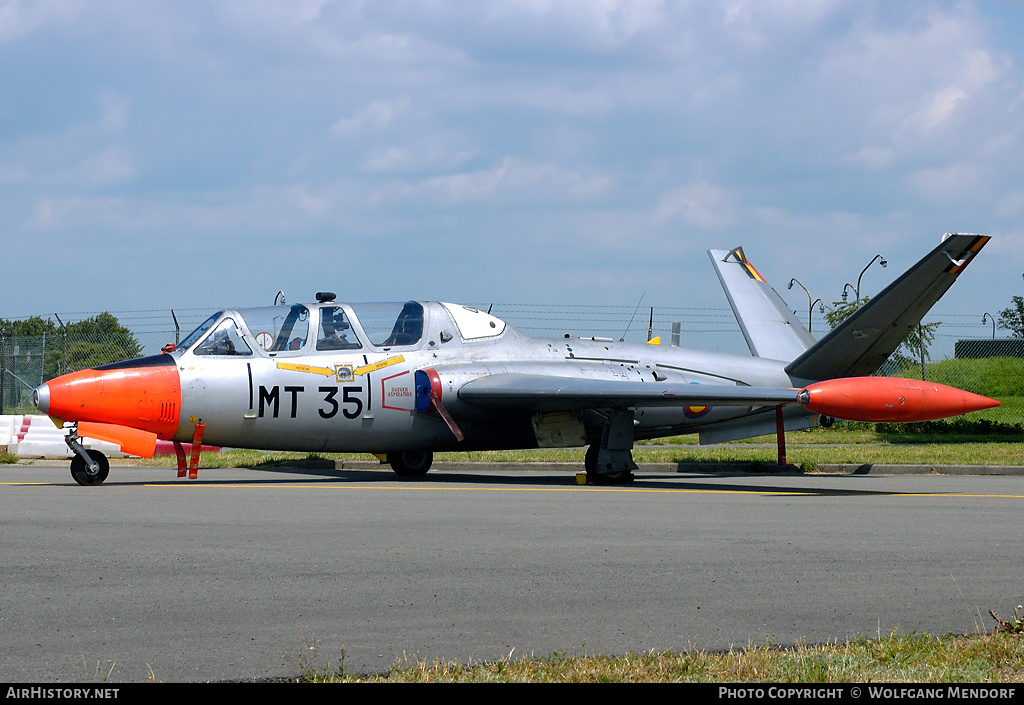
x,y
959,426
995,377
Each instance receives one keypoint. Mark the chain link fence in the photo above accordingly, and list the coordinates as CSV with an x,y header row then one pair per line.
x,y
959,350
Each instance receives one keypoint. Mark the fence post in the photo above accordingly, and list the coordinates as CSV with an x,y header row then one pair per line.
x,y
920,338
63,348
3,376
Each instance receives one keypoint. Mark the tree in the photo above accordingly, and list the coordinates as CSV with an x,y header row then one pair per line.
x,y
27,327
99,340
912,350
841,310
30,352
1012,318
50,350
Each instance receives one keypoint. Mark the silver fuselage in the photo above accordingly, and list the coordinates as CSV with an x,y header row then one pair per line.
x,y
362,399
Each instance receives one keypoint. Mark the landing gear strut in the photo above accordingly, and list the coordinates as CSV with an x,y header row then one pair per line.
x,y
412,464
610,462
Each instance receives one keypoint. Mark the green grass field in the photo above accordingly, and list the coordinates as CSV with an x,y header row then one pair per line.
x,y
996,657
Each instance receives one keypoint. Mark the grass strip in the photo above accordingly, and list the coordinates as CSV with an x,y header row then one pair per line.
x,y
917,658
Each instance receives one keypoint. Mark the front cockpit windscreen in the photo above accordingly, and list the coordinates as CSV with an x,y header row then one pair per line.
x,y
278,329
226,339
198,333
391,324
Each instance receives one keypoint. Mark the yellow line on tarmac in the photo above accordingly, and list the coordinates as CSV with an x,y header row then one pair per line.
x,y
269,484
450,488
811,492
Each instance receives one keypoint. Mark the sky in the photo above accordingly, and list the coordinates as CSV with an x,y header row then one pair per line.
x,y
206,154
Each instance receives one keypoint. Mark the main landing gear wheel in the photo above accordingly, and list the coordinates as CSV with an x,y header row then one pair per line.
x,y
413,464
594,476
83,475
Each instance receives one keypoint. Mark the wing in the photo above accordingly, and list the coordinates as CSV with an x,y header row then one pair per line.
x,y
544,393
874,399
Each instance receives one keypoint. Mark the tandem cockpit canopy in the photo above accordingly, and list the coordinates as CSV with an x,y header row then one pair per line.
x,y
296,329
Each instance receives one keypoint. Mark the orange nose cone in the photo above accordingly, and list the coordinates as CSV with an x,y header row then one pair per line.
x,y
889,399
143,394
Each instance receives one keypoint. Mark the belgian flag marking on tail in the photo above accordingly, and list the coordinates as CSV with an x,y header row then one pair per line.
x,y
747,266
956,266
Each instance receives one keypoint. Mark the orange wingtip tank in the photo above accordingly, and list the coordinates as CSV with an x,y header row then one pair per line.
x,y
889,399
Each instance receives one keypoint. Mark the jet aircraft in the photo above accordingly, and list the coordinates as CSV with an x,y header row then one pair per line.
x,y
405,380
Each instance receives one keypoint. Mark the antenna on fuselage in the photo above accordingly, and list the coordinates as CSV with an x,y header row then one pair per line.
x,y
281,294
623,338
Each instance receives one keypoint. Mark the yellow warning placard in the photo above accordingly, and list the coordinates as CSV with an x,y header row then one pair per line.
x,y
380,365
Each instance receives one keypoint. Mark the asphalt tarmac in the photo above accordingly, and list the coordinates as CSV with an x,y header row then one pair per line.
x,y
244,575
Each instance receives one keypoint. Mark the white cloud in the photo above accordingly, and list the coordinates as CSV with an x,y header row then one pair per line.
x,y
907,90
1011,204
701,205
53,213
534,184
377,115
22,17
938,108
107,167
953,183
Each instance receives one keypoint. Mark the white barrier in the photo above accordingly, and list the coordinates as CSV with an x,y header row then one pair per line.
x,y
9,427
36,437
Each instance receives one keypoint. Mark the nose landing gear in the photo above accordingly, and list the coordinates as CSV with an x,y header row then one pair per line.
x,y
88,467
84,475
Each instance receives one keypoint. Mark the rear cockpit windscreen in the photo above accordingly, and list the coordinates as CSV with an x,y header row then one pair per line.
x,y
391,324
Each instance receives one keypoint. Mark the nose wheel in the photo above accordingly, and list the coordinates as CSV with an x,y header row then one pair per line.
x,y
88,467
85,475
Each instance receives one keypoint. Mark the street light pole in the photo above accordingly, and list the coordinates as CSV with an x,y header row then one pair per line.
x,y
881,261
989,316
810,304
856,289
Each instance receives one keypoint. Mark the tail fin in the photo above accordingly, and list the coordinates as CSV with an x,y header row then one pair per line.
x,y
770,328
861,343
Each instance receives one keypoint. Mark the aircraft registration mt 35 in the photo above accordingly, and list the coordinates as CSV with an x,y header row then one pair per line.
x,y
405,380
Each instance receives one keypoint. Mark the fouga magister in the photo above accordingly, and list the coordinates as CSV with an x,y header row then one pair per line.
x,y
405,380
